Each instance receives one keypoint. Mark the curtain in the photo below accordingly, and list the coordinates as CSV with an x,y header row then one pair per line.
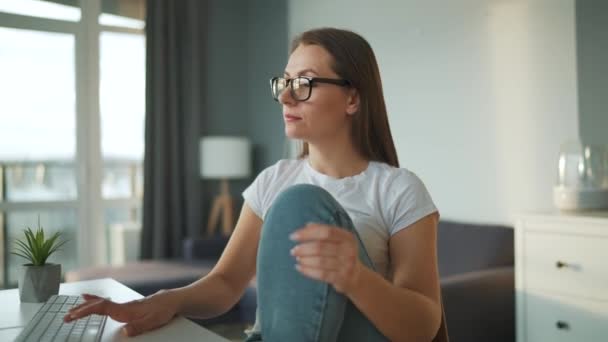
x,y
175,59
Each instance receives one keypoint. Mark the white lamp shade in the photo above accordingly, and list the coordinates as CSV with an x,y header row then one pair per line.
x,y
225,157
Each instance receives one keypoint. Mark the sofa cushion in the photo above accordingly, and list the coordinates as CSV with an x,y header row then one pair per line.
x,y
466,247
143,276
480,305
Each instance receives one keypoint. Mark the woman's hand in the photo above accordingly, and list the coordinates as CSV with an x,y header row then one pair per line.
x,y
140,315
329,254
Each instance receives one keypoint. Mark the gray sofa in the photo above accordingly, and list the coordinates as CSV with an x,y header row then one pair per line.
x,y
477,281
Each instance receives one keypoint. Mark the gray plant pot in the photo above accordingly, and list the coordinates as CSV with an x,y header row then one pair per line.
x,y
38,283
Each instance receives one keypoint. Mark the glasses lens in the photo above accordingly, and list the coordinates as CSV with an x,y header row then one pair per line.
x,y
300,88
277,85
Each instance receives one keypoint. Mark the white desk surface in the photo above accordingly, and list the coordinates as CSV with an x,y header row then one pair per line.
x,y
14,315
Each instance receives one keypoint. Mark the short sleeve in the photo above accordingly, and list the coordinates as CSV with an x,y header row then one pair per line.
x,y
254,194
408,201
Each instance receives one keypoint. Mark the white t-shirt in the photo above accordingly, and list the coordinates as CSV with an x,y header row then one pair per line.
x,y
381,201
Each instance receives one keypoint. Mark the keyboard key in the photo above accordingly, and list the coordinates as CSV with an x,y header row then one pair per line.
x,y
46,306
41,327
61,299
30,326
65,329
96,318
90,335
55,308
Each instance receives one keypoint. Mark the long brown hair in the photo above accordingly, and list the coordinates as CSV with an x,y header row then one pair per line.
x,y
354,60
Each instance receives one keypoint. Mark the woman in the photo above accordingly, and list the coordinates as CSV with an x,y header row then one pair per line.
x,y
345,241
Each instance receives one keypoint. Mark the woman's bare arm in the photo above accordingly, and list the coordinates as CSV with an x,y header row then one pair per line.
x,y
218,291
409,307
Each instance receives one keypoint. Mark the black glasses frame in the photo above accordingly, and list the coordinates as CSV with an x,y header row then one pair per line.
x,y
311,81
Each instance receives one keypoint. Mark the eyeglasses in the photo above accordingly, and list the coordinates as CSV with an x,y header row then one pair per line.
x,y
301,86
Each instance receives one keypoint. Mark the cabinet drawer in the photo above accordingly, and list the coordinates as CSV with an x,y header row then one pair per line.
x,y
561,318
566,264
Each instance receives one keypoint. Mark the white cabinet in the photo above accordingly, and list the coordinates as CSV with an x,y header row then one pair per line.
x,y
561,278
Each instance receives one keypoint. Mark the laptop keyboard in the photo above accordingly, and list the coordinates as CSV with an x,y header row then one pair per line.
x,y
48,325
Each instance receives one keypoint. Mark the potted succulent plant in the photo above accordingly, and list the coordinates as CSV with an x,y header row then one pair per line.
x,y
38,280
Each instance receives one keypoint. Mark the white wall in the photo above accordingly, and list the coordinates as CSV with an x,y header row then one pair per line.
x,y
480,93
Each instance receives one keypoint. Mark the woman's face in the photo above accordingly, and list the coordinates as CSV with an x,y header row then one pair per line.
x,y
326,113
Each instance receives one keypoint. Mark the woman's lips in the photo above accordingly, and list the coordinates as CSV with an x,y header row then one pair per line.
x,y
291,118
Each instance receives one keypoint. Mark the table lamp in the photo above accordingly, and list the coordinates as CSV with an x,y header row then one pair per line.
x,y
224,158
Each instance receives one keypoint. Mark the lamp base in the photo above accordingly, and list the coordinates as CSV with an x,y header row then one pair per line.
x,y
222,204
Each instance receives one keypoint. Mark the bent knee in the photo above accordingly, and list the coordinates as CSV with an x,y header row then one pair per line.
x,y
302,203
302,193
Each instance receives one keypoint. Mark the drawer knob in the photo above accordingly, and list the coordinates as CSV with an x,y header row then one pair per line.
x,y
562,325
561,264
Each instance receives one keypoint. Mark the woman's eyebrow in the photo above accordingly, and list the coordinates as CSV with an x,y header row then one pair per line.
x,y
309,70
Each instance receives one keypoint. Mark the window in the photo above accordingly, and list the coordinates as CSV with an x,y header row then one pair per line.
x,y
61,10
71,125
38,94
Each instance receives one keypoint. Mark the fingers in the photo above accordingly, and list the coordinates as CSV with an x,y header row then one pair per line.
x,y
79,310
336,277
87,301
316,231
327,253
342,279
141,325
327,264
88,296
317,248
321,274
77,307
96,306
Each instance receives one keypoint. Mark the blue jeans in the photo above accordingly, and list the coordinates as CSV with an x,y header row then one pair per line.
x,y
291,306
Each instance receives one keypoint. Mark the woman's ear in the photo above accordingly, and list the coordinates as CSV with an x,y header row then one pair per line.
x,y
353,101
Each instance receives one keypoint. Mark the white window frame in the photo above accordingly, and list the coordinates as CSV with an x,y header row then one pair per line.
x,y
88,160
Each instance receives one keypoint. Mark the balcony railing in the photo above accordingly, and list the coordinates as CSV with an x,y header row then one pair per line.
x,y
48,189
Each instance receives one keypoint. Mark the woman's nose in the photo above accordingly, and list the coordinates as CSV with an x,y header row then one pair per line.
x,y
285,96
